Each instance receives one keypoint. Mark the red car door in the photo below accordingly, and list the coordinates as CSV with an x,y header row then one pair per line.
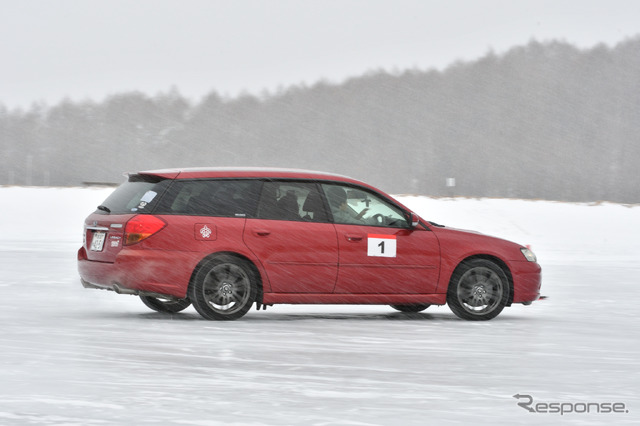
x,y
379,253
297,248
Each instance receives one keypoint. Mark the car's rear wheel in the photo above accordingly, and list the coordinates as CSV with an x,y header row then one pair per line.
x,y
479,290
224,288
167,306
410,308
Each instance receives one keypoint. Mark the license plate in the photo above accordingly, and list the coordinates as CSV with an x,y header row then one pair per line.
x,y
97,243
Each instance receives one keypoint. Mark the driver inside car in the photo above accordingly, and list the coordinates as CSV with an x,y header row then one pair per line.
x,y
342,213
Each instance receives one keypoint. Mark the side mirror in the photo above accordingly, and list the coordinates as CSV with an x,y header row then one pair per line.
x,y
415,220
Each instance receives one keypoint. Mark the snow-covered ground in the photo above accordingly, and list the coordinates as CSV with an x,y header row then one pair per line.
x,y
85,357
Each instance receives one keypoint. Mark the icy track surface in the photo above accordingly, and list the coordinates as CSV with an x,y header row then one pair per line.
x,y
70,356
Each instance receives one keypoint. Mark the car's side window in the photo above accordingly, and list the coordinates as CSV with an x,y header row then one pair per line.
x,y
288,200
215,197
350,205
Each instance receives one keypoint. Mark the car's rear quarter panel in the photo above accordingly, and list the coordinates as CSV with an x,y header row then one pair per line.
x,y
164,262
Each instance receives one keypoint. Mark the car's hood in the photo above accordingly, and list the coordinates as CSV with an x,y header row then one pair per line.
x,y
468,242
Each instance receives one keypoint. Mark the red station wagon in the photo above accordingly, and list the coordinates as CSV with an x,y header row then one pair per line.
x,y
223,239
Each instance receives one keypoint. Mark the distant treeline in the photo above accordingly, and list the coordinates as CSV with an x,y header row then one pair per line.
x,y
546,120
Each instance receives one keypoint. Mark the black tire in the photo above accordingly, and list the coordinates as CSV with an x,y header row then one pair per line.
x,y
410,308
166,306
478,291
224,288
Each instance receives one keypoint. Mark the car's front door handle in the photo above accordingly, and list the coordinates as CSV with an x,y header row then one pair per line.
x,y
354,238
261,233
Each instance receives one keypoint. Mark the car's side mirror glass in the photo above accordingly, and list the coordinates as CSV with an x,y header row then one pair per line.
x,y
415,220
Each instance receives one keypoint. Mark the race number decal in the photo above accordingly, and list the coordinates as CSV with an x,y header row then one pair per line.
x,y
381,245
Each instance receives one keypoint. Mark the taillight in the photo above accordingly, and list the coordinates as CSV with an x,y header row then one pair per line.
x,y
142,227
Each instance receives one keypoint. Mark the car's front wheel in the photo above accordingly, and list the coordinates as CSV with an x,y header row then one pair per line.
x,y
224,288
410,308
166,306
479,290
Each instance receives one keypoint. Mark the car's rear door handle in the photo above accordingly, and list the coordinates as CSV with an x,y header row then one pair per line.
x,y
354,238
261,233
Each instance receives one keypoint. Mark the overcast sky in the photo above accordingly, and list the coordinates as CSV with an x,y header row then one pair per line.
x,y
93,48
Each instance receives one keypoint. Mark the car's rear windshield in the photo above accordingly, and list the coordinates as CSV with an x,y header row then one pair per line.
x,y
138,195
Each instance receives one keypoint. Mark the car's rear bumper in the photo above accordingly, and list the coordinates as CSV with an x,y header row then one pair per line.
x,y
140,272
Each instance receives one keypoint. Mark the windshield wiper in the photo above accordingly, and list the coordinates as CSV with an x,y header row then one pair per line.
x,y
104,208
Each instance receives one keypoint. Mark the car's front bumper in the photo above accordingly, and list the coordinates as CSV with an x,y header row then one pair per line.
x,y
527,281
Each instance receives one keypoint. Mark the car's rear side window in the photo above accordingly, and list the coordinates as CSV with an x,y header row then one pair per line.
x,y
138,195
291,200
211,197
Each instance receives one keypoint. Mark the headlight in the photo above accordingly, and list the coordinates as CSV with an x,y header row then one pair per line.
x,y
529,254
